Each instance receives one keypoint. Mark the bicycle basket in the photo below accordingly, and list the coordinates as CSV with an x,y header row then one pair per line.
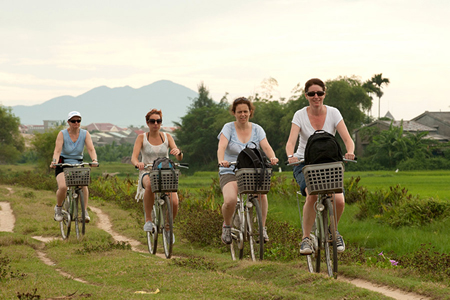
x,y
77,176
248,179
324,178
169,180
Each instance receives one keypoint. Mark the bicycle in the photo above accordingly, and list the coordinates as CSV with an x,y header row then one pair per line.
x,y
246,222
162,182
73,209
323,180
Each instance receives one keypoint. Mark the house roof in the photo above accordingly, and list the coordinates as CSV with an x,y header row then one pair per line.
x,y
409,126
103,127
443,116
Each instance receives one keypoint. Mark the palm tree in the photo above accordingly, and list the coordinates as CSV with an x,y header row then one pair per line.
x,y
379,81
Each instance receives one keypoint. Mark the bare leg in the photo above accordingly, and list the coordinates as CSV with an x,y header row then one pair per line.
x,y
229,192
309,214
264,204
86,196
62,189
174,200
340,205
149,198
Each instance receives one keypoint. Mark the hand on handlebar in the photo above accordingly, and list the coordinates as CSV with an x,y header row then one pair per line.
x,y
292,160
224,163
349,156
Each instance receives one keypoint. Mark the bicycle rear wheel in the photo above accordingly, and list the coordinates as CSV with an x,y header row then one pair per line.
x,y
237,236
330,239
255,229
152,236
66,222
79,214
313,260
167,225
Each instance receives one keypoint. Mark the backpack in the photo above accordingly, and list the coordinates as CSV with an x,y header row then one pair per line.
x,y
254,158
322,147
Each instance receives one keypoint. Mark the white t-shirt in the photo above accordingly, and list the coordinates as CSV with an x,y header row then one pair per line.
x,y
301,119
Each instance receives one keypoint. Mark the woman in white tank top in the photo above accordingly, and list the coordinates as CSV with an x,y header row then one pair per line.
x,y
151,145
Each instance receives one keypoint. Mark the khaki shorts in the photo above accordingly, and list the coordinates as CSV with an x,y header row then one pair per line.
x,y
226,178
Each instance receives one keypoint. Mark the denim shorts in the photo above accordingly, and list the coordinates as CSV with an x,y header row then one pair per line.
x,y
300,178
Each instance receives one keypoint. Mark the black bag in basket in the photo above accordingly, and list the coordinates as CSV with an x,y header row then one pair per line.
x,y
322,147
163,163
254,158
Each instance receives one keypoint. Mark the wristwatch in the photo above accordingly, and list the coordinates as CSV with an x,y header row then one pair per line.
x,y
292,155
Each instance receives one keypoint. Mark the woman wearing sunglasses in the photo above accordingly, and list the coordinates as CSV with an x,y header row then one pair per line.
x,y
233,138
69,148
152,145
306,121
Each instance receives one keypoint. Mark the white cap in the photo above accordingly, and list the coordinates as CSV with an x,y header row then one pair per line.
x,y
73,114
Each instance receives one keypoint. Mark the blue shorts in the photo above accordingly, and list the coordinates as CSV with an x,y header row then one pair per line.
x,y
300,178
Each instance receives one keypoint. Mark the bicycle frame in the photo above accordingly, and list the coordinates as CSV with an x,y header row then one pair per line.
x,y
247,227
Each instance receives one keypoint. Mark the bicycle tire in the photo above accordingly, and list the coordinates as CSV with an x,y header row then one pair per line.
x,y
66,222
152,236
330,240
255,229
79,208
167,226
237,236
313,260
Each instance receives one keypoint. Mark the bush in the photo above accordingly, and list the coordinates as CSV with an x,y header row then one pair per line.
x,y
435,163
417,212
354,192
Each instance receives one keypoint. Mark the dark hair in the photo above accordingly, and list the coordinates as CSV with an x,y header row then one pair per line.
x,y
314,81
242,100
153,112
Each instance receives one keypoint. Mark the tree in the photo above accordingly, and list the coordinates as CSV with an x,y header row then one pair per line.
x,y
348,95
44,145
379,81
197,132
11,141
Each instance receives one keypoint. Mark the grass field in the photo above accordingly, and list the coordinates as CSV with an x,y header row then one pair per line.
x,y
204,272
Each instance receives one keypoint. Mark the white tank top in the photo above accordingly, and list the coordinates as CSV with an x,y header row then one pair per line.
x,y
151,152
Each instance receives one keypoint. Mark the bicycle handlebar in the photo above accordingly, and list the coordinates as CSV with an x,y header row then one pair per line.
x,y
302,160
76,165
181,165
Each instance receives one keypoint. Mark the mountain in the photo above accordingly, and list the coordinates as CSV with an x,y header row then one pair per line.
x,y
121,106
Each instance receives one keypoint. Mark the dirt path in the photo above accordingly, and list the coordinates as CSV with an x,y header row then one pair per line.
x,y
7,221
104,224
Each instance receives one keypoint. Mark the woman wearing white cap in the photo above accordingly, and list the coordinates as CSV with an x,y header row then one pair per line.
x,y
69,148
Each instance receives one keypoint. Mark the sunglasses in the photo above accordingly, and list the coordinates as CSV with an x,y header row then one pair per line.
x,y
319,93
153,121
75,121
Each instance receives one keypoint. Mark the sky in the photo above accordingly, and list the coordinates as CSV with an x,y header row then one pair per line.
x,y
56,48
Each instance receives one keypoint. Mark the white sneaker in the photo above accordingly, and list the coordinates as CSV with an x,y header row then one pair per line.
x,y
87,219
58,214
148,226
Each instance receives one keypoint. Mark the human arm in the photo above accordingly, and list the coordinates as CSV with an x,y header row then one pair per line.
x,y
91,149
264,144
136,150
348,141
58,148
173,148
223,143
290,145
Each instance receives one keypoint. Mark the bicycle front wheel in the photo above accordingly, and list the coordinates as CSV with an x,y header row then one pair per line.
x,y
66,222
152,236
330,239
79,214
255,229
167,224
237,236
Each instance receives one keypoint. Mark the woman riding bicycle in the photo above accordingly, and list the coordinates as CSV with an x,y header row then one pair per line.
x,y
306,121
233,138
152,145
69,148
